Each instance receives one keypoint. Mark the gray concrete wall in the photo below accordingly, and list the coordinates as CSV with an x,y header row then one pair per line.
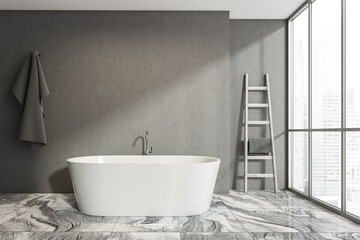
x,y
258,47
112,76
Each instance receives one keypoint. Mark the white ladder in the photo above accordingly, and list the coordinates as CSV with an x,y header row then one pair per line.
x,y
268,122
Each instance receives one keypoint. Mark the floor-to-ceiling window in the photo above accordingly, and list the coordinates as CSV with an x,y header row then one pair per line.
x,y
326,100
298,100
352,106
324,103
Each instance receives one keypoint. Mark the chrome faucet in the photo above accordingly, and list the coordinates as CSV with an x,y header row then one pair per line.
x,y
147,148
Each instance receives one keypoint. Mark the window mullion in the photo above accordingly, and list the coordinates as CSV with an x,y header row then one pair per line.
x,y
310,104
343,106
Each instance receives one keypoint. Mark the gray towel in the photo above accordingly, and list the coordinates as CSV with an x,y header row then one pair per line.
x,y
260,145
30,89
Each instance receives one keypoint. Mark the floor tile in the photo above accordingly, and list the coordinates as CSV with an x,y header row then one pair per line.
x,y
356,236
60,201
214,220
338,236
286,236
245,201
70,236
7,218
73,220
49,213
146,224
284,199
15,235
6,214
217,202
24,210
20,199
144,236
269,220
5,211
298,210
12,203
215,236
325,222
26,219
55,235
52,212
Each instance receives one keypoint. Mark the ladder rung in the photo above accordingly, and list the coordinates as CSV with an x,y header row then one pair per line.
x,y
261,175
258,105
258,122
257,88
259,157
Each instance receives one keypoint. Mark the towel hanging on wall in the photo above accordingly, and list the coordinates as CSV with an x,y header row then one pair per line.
x,y
30,89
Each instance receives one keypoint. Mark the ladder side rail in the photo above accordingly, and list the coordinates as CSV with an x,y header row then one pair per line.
x,y
271,132
246,134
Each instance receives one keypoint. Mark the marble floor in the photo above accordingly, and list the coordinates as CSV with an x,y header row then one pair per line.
x,y
255,215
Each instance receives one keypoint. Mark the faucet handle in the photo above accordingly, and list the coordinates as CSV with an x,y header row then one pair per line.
x,y
150,151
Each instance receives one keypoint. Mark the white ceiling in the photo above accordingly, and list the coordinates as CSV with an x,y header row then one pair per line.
x,y
239,9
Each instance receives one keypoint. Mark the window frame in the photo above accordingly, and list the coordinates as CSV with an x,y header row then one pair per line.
x,y
342,211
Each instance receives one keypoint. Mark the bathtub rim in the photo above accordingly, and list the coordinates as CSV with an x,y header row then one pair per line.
x,y
74,160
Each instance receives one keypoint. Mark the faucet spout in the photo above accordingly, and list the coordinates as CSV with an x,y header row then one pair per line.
x,y
147,148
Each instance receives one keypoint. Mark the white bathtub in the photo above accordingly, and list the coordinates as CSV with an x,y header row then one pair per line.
x,y
143,185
